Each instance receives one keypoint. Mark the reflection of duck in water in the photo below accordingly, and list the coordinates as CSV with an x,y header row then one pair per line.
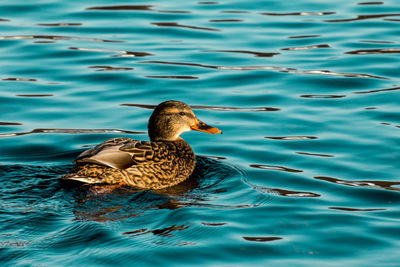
x,y
211,179
163,162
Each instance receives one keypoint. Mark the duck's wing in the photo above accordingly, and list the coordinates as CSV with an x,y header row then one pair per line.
x,y
143,152
122,153
108,154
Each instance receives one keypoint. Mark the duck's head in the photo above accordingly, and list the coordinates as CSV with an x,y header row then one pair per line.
x,y
171,118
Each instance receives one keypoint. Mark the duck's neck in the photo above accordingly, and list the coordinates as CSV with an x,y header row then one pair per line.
x,y
169,138
162,131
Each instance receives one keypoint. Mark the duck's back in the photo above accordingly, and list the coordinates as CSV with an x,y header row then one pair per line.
x,y
150,165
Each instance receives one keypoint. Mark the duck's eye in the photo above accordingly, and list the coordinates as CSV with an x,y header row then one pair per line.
x,y
182,113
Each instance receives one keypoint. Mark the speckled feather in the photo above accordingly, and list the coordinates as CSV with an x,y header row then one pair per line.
x,y
151,165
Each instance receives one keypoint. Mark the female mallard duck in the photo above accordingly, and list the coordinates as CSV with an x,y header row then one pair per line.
x,y
163,162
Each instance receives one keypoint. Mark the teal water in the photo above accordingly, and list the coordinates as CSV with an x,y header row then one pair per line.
x,y
305,92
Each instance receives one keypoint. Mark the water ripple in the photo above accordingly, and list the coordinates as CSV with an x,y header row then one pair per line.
x,y
213,224
315,154
327,72
377,42
374,51
235,12
306,47
304,36
370,3
121,53
109,68
61,24
225,20
257,54
216,108
34,95
70,131
167,231
122,7
5,123
274,167
284,192
207,3
378,90
175,24
182,77
262,239
363,17
388,185
299,14
354,209
281,69
20,79
292,137
135,8
323,96
55,37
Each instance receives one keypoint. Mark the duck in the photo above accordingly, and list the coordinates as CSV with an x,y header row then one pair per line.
x,y
164,161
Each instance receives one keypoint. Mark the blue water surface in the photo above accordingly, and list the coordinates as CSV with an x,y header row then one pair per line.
x,y
307,96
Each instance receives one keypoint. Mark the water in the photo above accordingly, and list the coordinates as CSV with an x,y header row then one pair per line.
x,y
306,94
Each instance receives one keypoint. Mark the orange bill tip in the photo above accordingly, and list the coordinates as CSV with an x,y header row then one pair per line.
x,y
202,127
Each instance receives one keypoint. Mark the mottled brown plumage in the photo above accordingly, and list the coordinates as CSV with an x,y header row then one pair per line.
x,y
164,161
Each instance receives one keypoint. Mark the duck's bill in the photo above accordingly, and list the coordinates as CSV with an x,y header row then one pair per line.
x,y
202,127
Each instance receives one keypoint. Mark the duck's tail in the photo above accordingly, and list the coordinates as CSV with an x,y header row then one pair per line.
x,y
79,178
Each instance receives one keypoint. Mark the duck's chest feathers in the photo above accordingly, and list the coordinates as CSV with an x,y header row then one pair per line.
x,y
183,157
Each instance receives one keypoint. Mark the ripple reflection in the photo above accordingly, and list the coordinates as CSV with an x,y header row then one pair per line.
x,y
292,137
370,3
167,231
353,209
216,108
182,77
207,3
70,131
108,68
122,7
134,8
20,79
306,47
262,239
34,95
175,24
300,14
225,20
281,69
213,224
257,54
56,37
363,17
282,192
315,154
374,51
121,53
323,96
235,12
291,193
304,36
273,167
387,185
4,123
62,24
377,90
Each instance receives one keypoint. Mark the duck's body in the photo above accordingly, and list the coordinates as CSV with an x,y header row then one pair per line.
x,y
163,162
142,164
